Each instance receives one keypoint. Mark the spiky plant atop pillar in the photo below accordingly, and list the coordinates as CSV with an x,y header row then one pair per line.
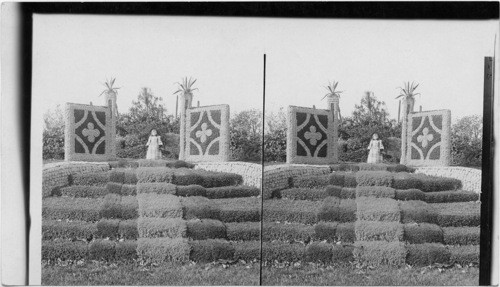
x,y
407,93
333,99
185,89
110,93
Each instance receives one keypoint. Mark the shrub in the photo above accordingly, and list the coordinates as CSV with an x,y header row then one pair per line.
x,y
375,191
64,250
409,194
342,253
319,252
397,168
53,229
156,187
154,174
372,167
248,250
300,211
304,194
374,178
287,232
467,254
111,206
159,205
335,209
404,180
243,231
378,230
161,227
117,176
337,178
458,213
92,179
311,181
127,229
128,189
129,177
82,191
205,229
184,176
451,196
101,249
191,190
282,251
126,250
434,183
199,207
325,231
113,187
377,209
210,250
238,209
423,233
232,191
461,235
427,254
217,179
417,211
107,228
79,208
378,253
163,249
345,232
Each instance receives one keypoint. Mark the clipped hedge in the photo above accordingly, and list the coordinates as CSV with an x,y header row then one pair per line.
x,y
152,163
345,232
397,168
123,163
64,208
325,231
467,254
127,229
232,191
64,250
210,250
161,227
458,214
102,249
81,191
344,167
378,230
434,183
125,250
89,179
154,174
53,229
427,254
342,253
374,178
191,190
287,232
243,231
341,192
107,228
218,179
129,177
247,250
299,211
238,209
156,187
319,252
304,194
199,207
372,167
375,191
337,178
159,250
128,189
335,209
404,180
378,253
410,194
178,164
451,196
130,207
417,233
315,181
461,235
111,206
159,205
350,179
113,187
417,211
117,176
377,209
205,229
282,251
184,176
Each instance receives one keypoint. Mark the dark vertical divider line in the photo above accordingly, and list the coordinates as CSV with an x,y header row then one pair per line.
x,y
262,164
487,175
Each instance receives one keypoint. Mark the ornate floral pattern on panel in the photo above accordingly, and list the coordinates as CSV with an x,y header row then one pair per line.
x,y
208,133
429,138
310,136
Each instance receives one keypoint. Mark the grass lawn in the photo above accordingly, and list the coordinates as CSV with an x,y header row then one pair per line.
x,y
348,275
133,273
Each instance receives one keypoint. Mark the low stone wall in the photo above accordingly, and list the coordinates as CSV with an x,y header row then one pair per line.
x,y
56,174
251,172
276,177
470,177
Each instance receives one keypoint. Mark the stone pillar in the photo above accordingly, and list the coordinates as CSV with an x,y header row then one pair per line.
x,y
185,103
333,105
111,104
408,104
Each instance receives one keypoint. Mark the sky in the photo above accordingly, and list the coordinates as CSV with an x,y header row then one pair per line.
x,y
74,54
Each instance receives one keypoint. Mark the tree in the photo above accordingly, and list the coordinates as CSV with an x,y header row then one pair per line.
x,y
467,140
246,135
370,110
53,134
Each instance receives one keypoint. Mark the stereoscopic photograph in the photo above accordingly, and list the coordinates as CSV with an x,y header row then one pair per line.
x,y
196,150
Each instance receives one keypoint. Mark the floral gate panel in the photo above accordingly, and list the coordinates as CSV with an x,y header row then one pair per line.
x,y
88,133
311,136
429,138
207,133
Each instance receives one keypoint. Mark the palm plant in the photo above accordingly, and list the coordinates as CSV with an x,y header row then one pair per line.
x,y
186,86
408,91
109,87
332,90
